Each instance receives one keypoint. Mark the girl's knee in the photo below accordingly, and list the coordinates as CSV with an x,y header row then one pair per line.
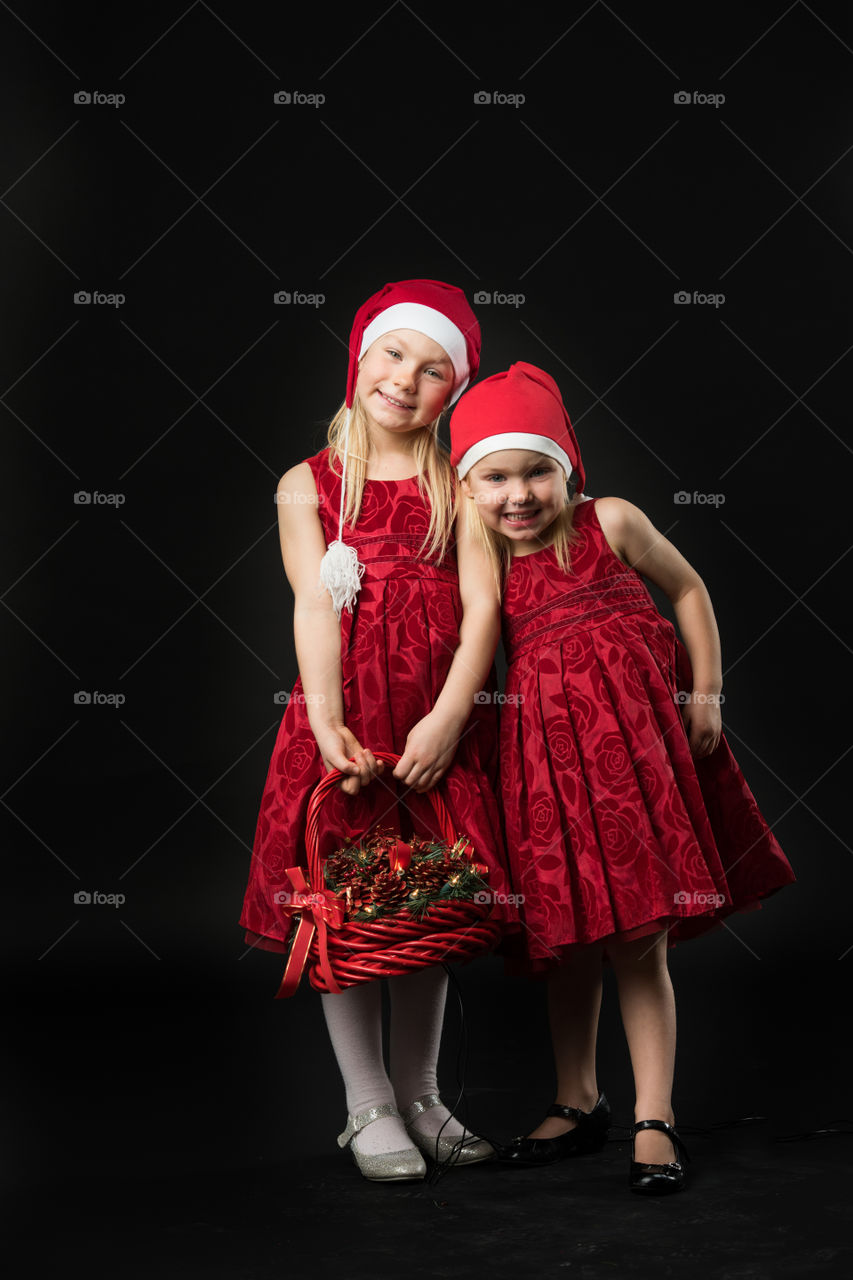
x,y
648,953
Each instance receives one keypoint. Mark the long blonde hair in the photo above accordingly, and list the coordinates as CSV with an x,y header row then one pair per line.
x,y
435,476
498,547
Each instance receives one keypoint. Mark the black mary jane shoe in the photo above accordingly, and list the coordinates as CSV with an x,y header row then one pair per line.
x,y
657,1179
588,1135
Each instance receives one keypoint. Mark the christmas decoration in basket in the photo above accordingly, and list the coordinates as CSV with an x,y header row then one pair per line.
x,y
382,907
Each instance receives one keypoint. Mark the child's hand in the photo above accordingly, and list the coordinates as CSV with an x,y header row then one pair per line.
x,y
703,722
341,750
430,747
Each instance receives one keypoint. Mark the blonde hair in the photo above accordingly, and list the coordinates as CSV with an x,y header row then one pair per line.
x,y
435,476
498,547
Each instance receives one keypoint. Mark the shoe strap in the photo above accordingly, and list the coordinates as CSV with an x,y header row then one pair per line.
x,y
565,1113
668,1129
356,1123
424,1103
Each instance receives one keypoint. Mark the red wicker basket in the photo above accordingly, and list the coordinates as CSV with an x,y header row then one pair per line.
x,y
342,953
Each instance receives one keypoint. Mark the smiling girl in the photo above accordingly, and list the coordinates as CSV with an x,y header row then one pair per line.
x,y
395,628
628,821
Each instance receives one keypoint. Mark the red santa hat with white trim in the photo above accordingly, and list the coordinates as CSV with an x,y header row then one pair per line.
x,y
520,408
441,312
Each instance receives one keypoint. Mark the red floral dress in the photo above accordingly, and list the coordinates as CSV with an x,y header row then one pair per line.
x,y
612,827
396,650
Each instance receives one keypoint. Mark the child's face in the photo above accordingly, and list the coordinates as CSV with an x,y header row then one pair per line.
x,y
404,380
519,493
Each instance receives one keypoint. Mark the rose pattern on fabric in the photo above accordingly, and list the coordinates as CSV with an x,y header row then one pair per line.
x,y
612,828
396,650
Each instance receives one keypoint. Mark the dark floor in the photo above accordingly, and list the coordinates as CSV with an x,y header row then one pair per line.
x,y
754,1209
173,1126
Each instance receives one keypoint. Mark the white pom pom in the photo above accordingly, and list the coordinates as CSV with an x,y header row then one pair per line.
x,y
340,573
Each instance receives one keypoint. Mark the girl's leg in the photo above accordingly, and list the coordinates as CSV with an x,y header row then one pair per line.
x,y
648,1015
354,1019
417,1015
574,1001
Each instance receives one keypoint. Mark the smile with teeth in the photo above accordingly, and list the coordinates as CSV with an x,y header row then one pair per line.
x,y
515,516
398,404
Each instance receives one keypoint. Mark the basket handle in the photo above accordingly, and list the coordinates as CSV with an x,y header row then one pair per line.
x,y
325,785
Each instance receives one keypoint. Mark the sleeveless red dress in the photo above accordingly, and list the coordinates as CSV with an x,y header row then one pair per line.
x,y
396,650
612,827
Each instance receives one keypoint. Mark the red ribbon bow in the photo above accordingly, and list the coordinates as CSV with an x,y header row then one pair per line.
x,y
319,909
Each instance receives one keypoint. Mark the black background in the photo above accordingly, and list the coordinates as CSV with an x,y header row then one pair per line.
x,y
146,1036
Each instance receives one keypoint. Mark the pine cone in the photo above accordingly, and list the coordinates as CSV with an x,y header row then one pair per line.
x,y
340,869
426,877
389,891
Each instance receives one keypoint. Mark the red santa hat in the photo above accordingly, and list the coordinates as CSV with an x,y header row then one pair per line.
x,y
520,408
441,312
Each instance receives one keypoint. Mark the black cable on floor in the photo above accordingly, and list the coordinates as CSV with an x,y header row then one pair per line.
x,y
441,1167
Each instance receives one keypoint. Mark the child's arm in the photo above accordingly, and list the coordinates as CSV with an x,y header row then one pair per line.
x,y
636,541
317,631
432,742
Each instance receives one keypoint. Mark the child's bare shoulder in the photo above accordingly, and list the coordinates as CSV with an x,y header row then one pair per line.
x,y
298,479
617,516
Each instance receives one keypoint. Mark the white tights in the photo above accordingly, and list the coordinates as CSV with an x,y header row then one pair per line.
x,y
354,1019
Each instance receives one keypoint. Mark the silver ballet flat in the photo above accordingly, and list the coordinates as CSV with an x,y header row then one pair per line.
x,y
472,1150
391,1166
